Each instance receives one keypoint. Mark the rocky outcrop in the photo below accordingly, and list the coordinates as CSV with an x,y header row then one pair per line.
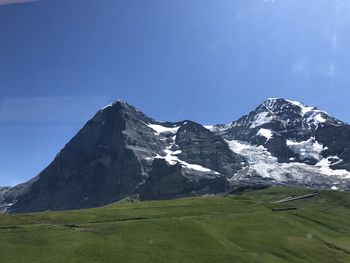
x,y
200,146
336,141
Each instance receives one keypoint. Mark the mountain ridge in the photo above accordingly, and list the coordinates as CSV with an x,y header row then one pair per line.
x,y
122,152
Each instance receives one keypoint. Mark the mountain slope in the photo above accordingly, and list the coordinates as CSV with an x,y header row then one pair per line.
x,y
122,152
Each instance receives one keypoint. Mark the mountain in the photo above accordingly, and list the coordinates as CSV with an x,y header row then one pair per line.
x,y
122,152
9,195
284,127
290,142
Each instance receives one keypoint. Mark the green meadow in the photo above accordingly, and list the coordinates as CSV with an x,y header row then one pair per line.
x,y
233,228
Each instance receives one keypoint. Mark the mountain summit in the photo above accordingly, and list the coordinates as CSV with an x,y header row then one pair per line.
x,y
290,118
122,152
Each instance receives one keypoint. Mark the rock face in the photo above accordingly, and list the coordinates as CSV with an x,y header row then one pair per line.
x,y
122,152
8,195
168,181
200,146
336,140
93,169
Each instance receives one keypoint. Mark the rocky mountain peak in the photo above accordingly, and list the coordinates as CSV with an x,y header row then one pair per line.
x,y
292,112
121,109
276,116
280,104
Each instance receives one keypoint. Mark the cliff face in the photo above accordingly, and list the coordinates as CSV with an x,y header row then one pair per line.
x,y
93,169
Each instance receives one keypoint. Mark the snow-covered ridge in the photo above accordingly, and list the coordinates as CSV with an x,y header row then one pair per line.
x,y
312,113
271,109
107,106
265,133
113,103
303,108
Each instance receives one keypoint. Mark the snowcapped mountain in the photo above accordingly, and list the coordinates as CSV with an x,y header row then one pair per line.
x,y
287,141
122,152
285,118
286,128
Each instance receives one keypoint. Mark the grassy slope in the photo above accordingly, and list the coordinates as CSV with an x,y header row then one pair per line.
x,y
204,229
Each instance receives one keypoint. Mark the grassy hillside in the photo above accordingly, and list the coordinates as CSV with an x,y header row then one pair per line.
x,y
236,228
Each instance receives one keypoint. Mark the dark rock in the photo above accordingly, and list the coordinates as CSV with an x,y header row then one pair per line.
x,y
95,168
337,141
277,146
165,181
168,181
201,146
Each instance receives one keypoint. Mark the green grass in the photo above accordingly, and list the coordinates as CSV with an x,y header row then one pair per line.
x,y
239,228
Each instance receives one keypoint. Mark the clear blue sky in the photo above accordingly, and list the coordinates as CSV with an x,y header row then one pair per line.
x,y
206,60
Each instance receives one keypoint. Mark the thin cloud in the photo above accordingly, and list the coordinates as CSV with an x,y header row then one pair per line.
x,y
301,66
334,41
50,109
331,70
10,2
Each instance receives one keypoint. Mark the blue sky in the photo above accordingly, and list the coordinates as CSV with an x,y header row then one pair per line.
x,y
206,60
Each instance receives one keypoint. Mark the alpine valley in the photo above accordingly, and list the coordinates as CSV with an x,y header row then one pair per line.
x,y
121,152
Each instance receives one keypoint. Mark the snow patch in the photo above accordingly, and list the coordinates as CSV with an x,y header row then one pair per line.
x,y
309,149
217,128
172,159
162,129
209,127
265,133
320,119
324,166
261,119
